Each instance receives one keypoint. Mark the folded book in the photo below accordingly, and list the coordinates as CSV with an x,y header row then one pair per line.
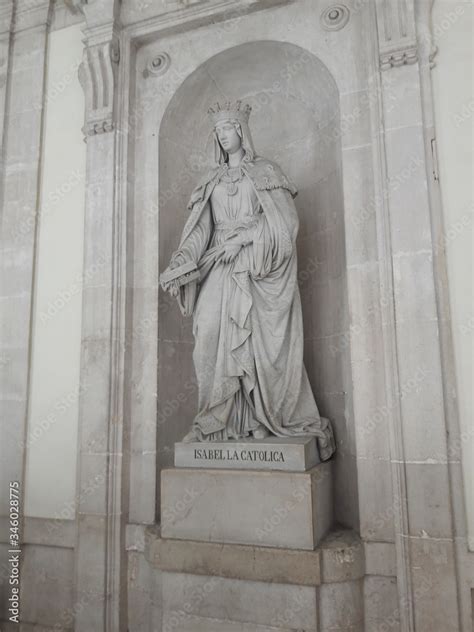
x,y
186,278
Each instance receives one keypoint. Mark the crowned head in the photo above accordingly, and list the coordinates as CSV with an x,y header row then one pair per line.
x,y
230,111
231,131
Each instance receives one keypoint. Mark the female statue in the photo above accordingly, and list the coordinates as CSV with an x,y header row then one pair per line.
x,y
235,272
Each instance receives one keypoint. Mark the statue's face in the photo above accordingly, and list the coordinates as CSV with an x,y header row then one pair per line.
x,y
228,136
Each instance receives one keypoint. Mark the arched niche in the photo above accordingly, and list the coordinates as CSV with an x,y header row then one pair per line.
x,y
295,121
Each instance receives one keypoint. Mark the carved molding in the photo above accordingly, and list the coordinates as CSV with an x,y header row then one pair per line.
x,y
393,59
28,14
397,33
97,75
157,65
6,12
335,17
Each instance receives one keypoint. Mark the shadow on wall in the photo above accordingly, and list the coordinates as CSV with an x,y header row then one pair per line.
x,y
295,121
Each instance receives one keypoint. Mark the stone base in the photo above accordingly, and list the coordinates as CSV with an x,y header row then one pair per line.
x,y
193,603
297,454
276,509
213,588
216,604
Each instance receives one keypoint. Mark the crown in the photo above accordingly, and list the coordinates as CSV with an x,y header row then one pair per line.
x,y
230,110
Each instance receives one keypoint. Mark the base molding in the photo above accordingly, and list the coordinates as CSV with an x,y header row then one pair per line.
x,y
340,557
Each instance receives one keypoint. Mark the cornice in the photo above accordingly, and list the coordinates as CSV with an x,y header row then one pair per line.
x,y
6,14
154,16
28,15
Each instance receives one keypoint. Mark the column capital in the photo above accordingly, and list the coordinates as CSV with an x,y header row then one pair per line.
x,y
98,70
98,77
397,33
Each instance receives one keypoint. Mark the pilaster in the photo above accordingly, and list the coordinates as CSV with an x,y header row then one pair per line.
x,y
99,554
428,591
23,48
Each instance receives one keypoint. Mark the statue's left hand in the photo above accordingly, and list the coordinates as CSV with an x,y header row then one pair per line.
x,y
228,252
174,289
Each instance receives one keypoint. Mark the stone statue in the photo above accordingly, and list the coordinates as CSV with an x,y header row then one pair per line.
x,y
235,272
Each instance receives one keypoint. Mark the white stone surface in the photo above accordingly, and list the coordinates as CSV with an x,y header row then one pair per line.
x,y
342,607
292,454
280,509
275,606
381,603
54,395
144,594
47,577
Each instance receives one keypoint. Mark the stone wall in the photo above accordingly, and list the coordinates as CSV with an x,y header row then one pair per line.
x,y
385,377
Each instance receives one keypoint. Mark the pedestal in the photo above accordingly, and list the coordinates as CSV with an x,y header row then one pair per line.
x,y
280,509
248,518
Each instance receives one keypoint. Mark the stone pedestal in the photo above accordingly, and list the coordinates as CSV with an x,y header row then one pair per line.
x,y
279,509
239,540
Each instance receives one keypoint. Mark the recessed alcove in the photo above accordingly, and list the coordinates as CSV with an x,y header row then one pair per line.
x,y
295,122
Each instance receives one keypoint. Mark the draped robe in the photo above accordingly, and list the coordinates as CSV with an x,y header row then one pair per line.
x,y
247,319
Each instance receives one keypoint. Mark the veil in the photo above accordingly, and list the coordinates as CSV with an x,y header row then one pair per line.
x,y
243,130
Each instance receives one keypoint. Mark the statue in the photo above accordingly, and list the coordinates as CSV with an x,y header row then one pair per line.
x,y
235,272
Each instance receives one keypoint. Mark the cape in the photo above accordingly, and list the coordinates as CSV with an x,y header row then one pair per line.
x,y
265,176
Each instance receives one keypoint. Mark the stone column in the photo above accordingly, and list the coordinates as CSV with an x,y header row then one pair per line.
x,y
23,44
99,546
6,10
421,489
440,235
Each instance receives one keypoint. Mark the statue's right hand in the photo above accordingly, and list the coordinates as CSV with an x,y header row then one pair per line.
x,y
177,259
171,287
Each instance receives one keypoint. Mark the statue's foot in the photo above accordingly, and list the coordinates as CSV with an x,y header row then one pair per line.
x,y
190,437
261,433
